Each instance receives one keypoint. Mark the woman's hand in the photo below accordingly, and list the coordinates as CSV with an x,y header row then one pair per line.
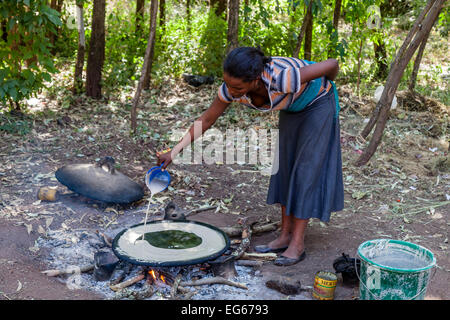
x,y
164,157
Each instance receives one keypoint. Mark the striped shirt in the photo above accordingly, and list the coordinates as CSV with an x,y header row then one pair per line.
x,y
281,77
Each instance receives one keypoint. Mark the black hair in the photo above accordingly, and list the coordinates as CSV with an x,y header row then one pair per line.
x,y
246,63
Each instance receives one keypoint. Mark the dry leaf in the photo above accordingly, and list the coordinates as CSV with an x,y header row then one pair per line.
x,y
41,230
48,222
19,286
29,228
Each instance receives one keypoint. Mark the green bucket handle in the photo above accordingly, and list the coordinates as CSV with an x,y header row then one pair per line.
x,y
376,297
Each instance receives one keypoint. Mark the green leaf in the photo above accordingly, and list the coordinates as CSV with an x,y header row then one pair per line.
x,y
13,93
46,76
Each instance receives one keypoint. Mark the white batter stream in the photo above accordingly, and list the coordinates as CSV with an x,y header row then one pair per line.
x,y
155,186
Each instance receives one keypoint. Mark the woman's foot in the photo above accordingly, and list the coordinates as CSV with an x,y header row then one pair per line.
x,y
285,261
293,254
277,245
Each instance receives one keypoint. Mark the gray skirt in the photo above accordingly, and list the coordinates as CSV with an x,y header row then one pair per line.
x,y
309,176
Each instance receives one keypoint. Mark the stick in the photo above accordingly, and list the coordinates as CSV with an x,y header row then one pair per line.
x,y
176,282
236,231
194,211
259,256
127,283
213,280
54,273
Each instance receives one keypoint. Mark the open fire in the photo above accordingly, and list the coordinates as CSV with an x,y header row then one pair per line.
x,y
154,276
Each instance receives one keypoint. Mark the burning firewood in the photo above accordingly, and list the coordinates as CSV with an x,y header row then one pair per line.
x,y
176,287
213,280
56,272
127,283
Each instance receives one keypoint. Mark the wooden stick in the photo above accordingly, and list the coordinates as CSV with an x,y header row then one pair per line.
x,y
259,256
213,280
54,273
127,283
198,210
236,231
176,282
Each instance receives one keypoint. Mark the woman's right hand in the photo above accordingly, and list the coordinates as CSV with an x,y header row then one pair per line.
x,y
164,157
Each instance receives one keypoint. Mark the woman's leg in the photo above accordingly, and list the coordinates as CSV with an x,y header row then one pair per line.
x,y
297,243
285,235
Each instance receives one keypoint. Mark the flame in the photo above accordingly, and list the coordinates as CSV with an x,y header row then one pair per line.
x,y
155,276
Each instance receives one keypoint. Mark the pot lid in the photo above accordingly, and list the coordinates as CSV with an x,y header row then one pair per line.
x,y
100,182
167,243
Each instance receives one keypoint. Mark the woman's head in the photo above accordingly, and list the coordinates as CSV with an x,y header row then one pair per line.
x,y
242,69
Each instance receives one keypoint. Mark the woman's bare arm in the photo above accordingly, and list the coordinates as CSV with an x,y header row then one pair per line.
x,y
328,68
203,123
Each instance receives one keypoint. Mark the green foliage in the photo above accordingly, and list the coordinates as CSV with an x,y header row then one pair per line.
x,y
15,124
197,47
25,60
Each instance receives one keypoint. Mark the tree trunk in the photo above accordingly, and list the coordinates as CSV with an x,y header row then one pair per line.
x,y
373,119
148,70
140,7
3,29
308,35
56,5
233,25
78,78
220,6
188,15
412,83
380,59
162,16
145,67
359,65
96,55
336,16
380,48
302,31
415,37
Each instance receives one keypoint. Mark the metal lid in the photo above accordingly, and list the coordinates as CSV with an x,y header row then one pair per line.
x,y
100,182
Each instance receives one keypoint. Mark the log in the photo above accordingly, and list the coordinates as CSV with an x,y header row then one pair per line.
x,y
237,231
213,280
127,283
259,256
56,272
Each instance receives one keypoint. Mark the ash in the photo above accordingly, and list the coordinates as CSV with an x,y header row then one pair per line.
x,y
67,249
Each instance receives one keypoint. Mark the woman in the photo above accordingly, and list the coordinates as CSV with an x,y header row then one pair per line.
x,y
308,183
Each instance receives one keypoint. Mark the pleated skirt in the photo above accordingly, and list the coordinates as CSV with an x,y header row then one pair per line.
x,y
307,171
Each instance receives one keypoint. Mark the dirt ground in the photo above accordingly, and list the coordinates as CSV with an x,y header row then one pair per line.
x,y
402,193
